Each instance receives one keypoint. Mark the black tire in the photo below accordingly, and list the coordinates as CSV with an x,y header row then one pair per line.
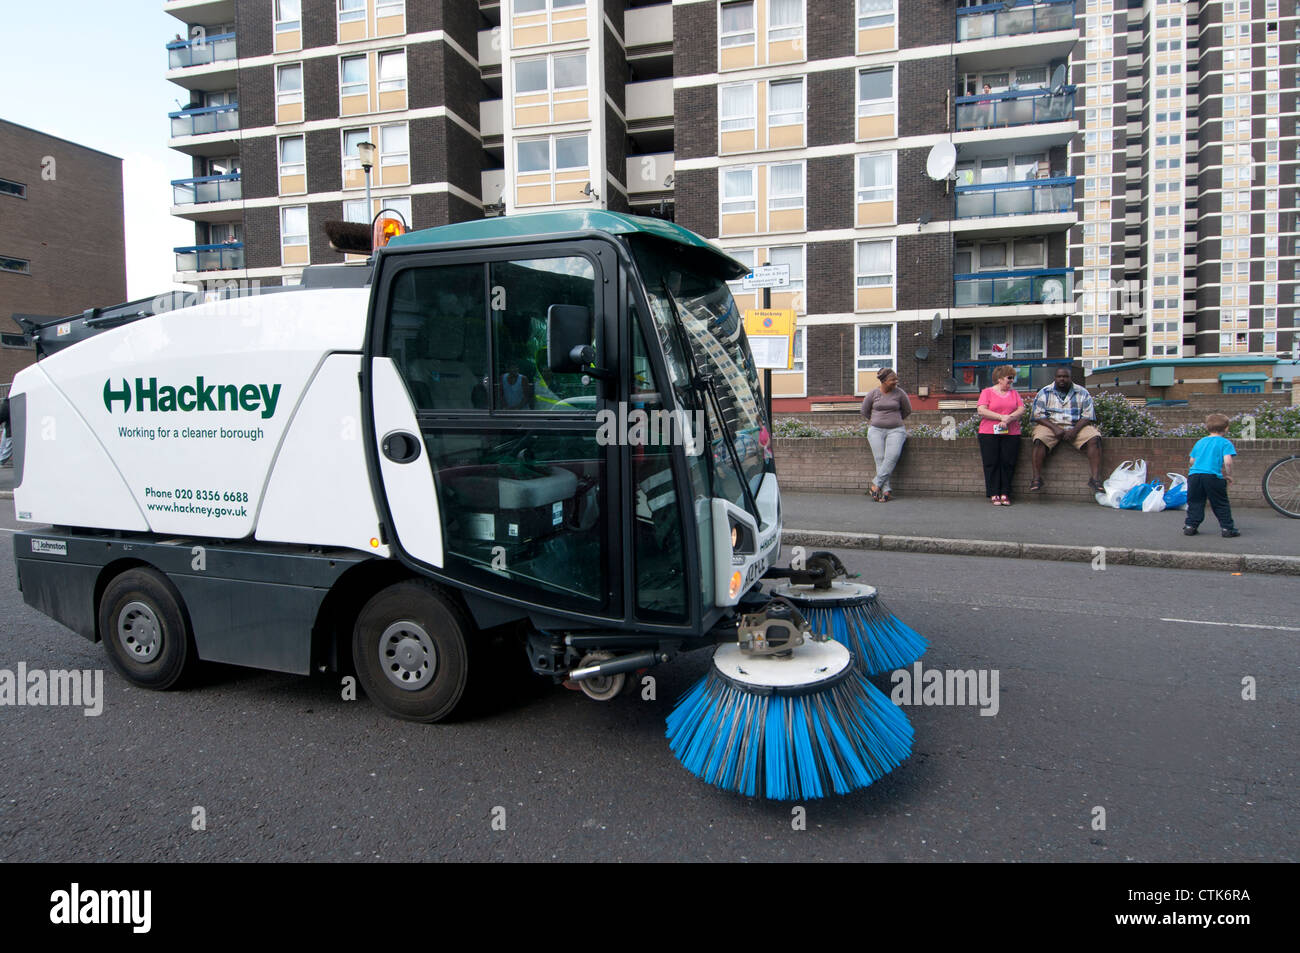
x,y
411,651
146,635
1284,495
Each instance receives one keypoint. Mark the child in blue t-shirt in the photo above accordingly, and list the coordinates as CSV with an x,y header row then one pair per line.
x,y
1208,478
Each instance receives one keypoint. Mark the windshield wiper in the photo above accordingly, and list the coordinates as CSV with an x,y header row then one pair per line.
x,y
705,383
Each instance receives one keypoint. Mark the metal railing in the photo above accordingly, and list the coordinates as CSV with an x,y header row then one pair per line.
x,y
210,257
201,52
208,188
1032,373
1027,286
997,19
198,122
1033,196
1014,108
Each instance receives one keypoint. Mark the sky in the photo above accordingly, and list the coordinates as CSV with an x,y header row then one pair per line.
x,y
92,72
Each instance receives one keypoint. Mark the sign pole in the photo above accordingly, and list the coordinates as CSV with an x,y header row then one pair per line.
x,y
767,371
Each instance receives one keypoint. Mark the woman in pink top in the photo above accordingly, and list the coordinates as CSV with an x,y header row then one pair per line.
x,y
1000,408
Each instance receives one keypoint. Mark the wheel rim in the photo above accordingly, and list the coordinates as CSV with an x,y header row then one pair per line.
x,y
407,655
138,632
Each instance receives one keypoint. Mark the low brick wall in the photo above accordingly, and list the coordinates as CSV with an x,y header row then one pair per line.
x,y
933,467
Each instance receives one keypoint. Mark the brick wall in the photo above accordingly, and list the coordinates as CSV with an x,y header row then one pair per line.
x,y
615,70
952,467
699,136
696,195
923,87
832,98
830,29
262,237
695,40
830,277
926,23
829,192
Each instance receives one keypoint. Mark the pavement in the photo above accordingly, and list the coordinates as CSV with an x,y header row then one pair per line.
x,y
1035,528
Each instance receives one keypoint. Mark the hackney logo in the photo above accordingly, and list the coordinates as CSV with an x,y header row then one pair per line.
x,y
200,396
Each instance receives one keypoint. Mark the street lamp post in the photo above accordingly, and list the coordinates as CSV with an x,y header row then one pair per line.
x,y
366,152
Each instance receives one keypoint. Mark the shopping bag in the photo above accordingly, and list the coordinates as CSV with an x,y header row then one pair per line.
x,y
1127,475
1133,498
1176,495
1154,501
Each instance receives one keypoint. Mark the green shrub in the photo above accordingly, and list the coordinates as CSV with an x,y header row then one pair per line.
x,y
1116,417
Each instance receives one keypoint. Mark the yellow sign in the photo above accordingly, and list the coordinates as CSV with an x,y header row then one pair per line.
x,y
771,338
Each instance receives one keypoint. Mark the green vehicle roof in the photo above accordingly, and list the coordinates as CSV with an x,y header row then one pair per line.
x,y
547,224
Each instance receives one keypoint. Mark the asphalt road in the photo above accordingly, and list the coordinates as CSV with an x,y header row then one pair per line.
x,y
1103,702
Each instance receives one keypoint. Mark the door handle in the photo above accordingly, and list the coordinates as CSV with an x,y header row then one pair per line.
x,y
401,447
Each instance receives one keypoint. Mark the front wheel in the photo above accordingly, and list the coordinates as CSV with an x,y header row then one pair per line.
x,y
1282,486
144,630
411,652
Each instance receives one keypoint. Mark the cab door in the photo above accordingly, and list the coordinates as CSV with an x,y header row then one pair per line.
x,y
488,461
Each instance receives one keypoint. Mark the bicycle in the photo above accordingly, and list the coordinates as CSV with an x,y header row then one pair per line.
x,y
1282,486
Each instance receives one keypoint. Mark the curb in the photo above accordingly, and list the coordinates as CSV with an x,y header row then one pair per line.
x,y
1116,555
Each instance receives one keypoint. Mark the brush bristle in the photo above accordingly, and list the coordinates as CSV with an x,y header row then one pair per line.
x,y
787,747
878,639
351,237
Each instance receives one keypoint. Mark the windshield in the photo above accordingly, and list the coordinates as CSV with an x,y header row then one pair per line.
x,y
713,330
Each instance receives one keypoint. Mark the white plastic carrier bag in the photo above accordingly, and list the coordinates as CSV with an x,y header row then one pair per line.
x,y
1127,475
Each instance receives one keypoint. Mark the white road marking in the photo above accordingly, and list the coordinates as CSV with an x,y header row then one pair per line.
x,y
1237,625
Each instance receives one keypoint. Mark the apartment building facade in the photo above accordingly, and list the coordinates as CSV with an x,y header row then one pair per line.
x,y
1082,218
62,238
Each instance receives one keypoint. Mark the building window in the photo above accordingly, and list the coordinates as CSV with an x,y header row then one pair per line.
x,y
784,20
785,103
293,225
875,13
736,108
738,24
392,71
288,84
875,99
16,266
293,159
797,365
792,255
738,194
393,145
875,347
875,275
288,15
876,177
785,187
354,78
351,10
16,189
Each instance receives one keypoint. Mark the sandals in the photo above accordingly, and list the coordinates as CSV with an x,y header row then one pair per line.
x,y
1000,500
1096,485
1006,500
1036,485
884,497
874,493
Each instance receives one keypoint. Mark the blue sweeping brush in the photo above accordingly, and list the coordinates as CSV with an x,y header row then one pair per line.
x,y
797,726
853,615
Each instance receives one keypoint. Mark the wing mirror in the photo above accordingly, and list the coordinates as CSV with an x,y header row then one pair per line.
x,y
568,341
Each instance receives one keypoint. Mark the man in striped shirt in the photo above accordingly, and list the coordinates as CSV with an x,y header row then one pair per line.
x,y
1063,411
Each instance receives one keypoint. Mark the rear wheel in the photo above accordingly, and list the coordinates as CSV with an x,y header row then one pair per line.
x,y
1282,486
144,630
411,652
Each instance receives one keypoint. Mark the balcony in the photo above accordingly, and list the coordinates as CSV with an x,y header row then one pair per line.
x,y
1033,374
991,20
1010,288
1022,107
208,188
1032,197
201,52
210,257
201,122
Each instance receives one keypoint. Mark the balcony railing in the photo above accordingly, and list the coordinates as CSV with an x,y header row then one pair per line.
x,y
1014,108
208,188
1032,374
201,52
997,19
1028,286
198,122
1034,196
210,257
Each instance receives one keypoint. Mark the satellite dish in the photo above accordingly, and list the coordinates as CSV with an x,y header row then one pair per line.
x,y
936,326
922,353
1058,80
1053,291
942,160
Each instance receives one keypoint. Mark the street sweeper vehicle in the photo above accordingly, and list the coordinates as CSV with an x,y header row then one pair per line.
x,y
542,427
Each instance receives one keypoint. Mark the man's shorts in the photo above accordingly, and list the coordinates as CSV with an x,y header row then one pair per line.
x,y
1050,440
